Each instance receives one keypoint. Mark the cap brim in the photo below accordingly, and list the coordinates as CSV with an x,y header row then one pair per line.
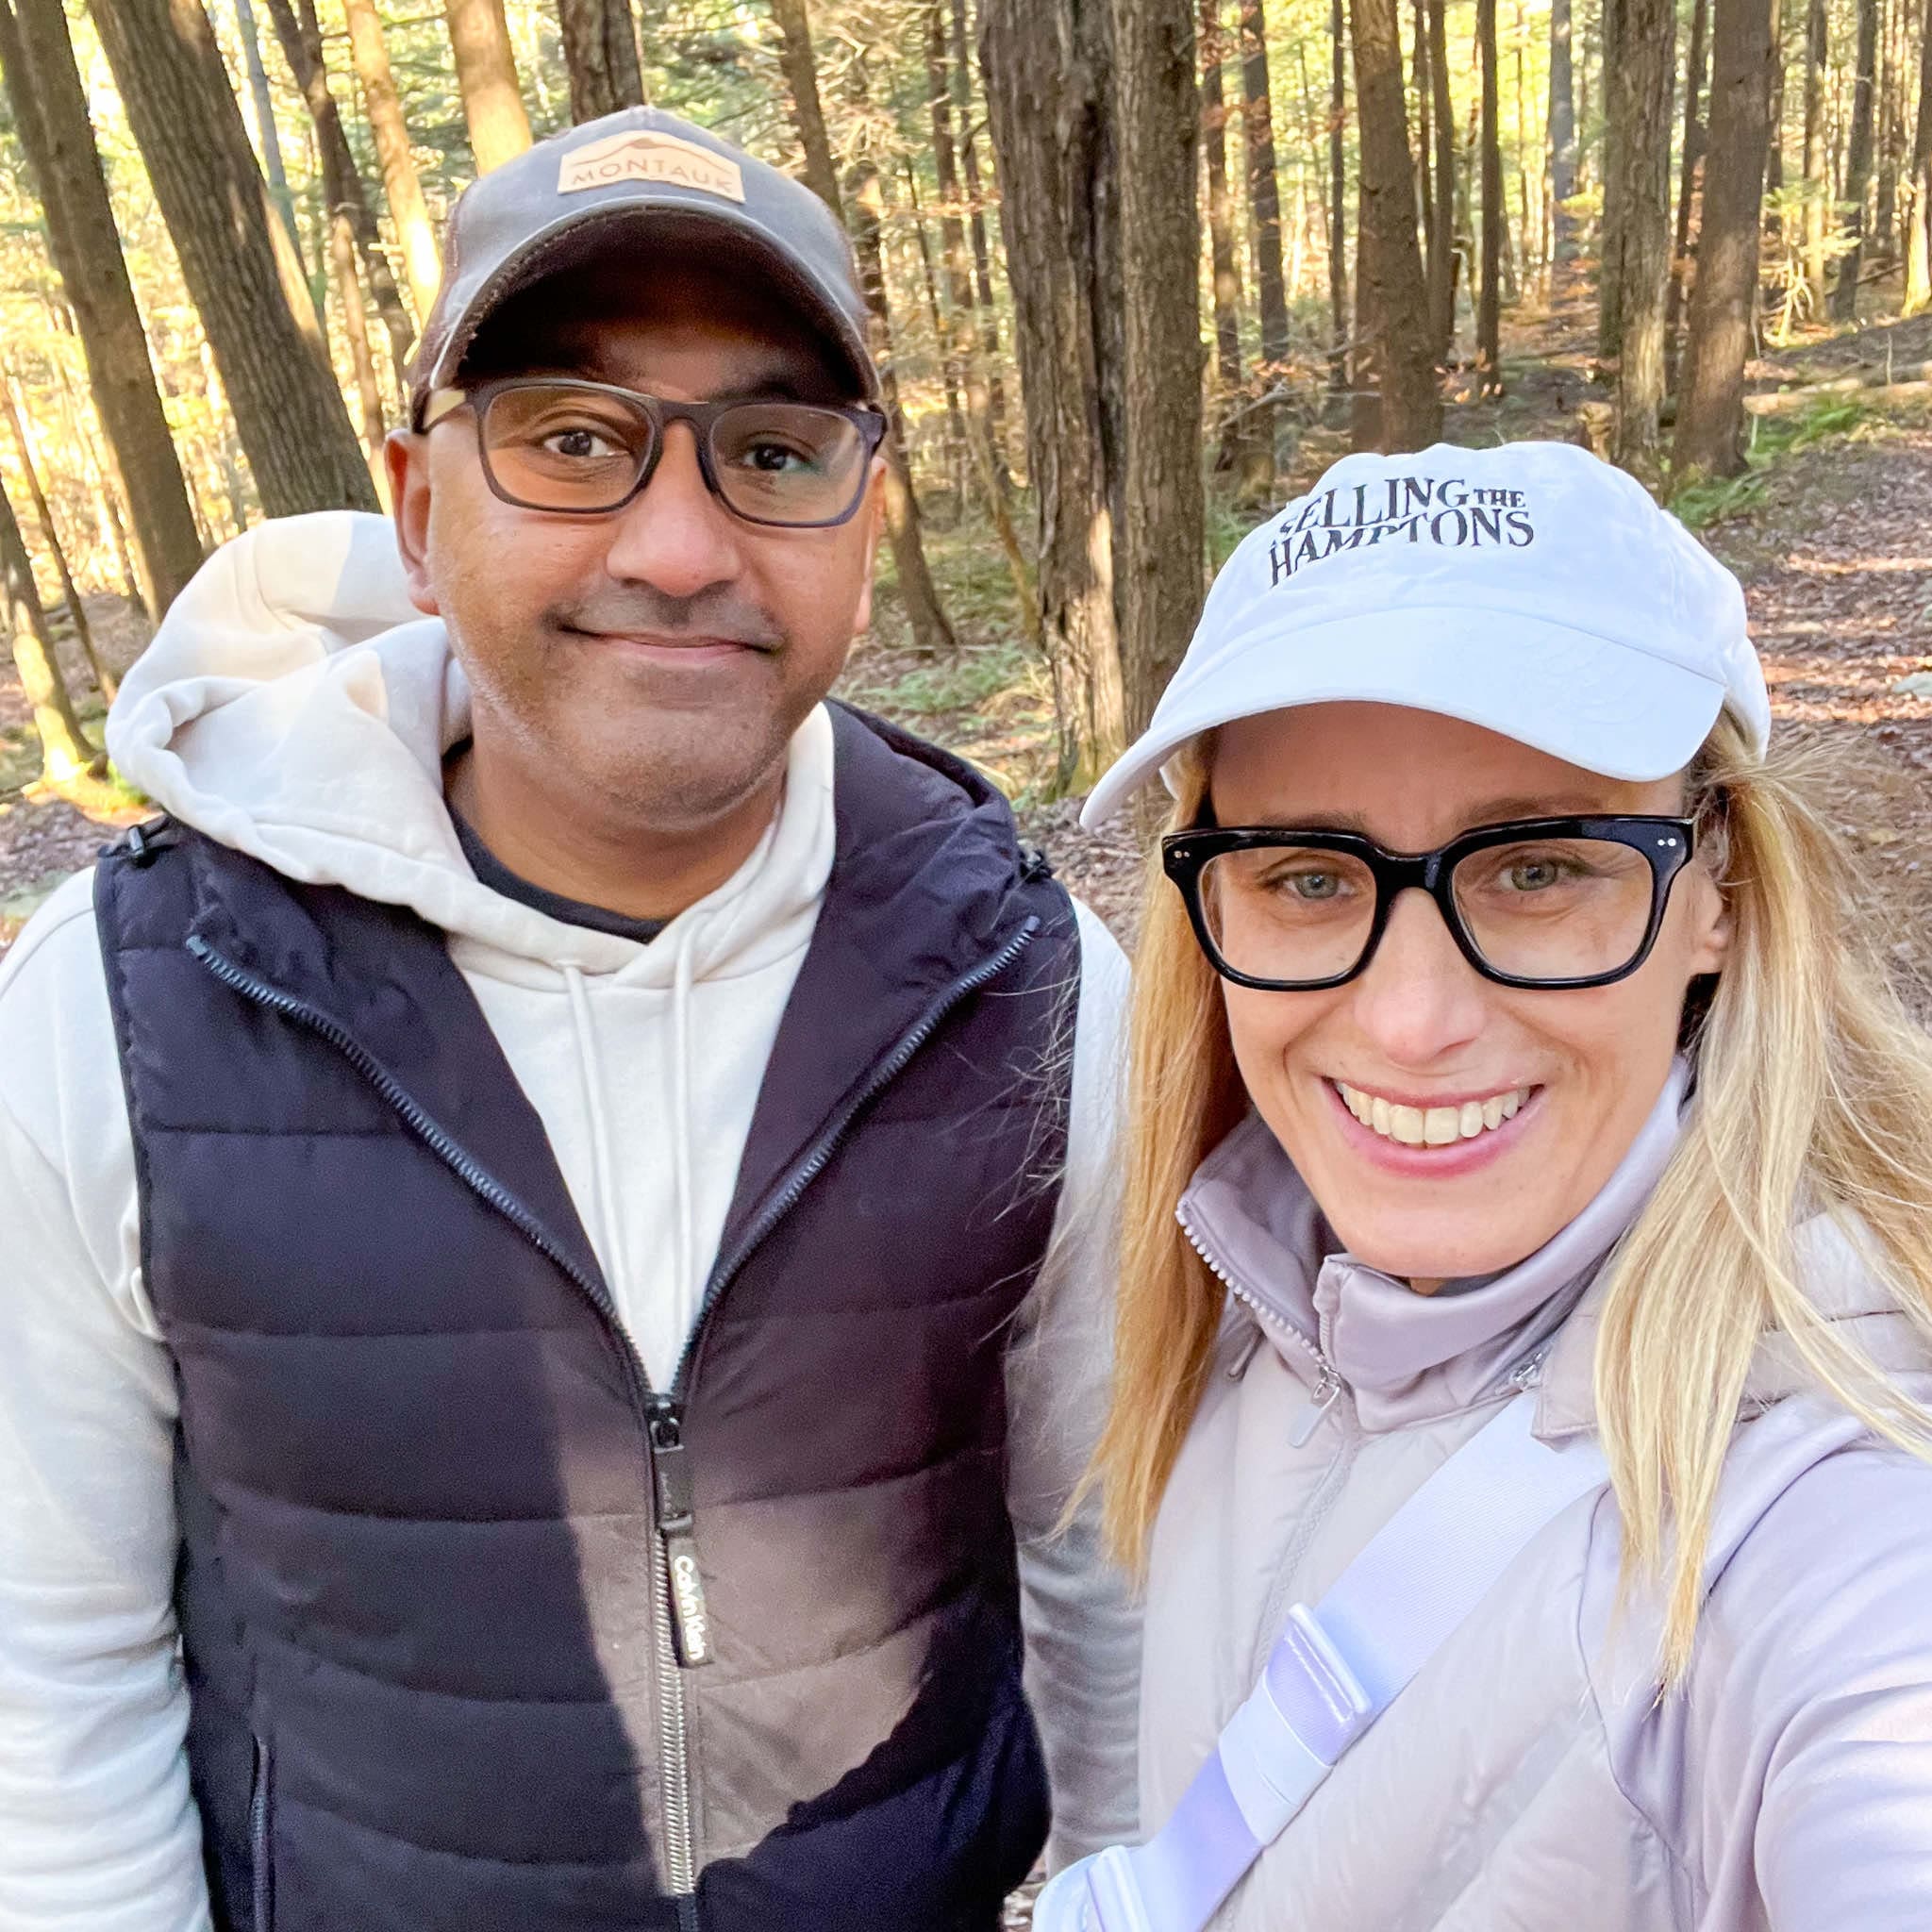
x,y
1607,706
586,234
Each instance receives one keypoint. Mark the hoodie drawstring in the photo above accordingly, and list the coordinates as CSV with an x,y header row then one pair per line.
x,y
609,1222
608,1216
684,972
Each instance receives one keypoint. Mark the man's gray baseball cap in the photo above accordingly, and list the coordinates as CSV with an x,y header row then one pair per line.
x,y
637,183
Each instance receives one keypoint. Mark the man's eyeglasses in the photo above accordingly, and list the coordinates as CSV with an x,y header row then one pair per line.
x,y
1554,902
586,448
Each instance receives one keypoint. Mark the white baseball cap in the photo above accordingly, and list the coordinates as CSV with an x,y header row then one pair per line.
x,y
1532,590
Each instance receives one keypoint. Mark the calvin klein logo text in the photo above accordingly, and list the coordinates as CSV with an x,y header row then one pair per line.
x,y
1400,509
693,1623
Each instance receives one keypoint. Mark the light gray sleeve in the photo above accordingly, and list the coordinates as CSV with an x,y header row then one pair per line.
x,y
1808,1773
1083,1628
97,1826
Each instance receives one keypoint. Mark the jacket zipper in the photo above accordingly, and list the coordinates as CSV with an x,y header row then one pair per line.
x,y
1329,1383
260,1878
680,1626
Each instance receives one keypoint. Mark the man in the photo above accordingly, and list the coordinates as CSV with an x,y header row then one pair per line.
x,y
555,1225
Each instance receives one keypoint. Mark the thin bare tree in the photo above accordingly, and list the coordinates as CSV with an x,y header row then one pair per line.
x,y
402,185
487,81
1844,291
1710,407
1398,404
65,753
52,118
241,269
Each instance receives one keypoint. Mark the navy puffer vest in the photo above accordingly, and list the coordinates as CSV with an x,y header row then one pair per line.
x,y
482,1632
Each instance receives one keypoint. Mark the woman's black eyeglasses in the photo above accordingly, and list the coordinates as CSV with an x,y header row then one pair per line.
x,y
587,448
1551,903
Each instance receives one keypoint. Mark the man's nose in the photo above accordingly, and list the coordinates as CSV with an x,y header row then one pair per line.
x,y
1419,998
674,535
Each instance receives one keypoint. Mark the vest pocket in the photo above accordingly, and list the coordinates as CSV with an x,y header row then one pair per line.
x,y
261,1828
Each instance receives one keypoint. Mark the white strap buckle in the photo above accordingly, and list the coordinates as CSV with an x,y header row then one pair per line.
x,y
1272,1767
1099,1895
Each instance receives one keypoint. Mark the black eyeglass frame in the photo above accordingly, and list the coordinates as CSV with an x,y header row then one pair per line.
x,y
1667,843
660,413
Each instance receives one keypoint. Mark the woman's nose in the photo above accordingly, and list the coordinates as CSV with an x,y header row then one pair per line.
x,y
1419,998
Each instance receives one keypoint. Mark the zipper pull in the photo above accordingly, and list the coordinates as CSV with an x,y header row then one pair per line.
x,y
1529,1372
691,1622
1328,1392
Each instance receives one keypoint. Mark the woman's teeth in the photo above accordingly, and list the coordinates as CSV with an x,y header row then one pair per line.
x,y
1431,1126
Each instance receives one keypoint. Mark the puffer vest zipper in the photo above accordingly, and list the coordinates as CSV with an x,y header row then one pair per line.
x,y
482,1629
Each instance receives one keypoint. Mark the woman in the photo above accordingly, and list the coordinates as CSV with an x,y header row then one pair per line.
x,y
1601,1104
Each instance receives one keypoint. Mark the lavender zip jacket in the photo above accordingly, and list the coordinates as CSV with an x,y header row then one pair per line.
x,y
1531,1779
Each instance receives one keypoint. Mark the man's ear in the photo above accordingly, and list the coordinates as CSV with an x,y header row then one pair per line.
x,y
406,454
874,513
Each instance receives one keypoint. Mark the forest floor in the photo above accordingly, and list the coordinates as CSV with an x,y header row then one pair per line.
x,y
1830,531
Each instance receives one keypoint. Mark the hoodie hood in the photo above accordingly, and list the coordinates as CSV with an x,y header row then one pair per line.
x,y
297,707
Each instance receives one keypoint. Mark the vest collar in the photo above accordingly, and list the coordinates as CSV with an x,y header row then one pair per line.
x,y
924,889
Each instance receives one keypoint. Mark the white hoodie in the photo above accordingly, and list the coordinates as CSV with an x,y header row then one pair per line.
x,y
295,707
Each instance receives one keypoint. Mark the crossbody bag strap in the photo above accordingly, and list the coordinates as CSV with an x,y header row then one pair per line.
x,y
1335,1668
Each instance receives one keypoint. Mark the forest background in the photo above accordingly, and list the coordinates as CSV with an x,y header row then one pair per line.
x,y
1138,269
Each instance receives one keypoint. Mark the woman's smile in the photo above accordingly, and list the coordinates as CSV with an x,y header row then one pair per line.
x,y
1433,1140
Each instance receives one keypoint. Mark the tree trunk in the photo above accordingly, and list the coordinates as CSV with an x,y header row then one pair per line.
x,y
70,592
1443,255
486,79
341,260
265,120
1424,144
932,631
1395,357
1047,65
957,460
1338,202
801,69
1817,184
1918,211
65,753
51,113
1226,275
263,330
1488,353
1610,280
109,525
1774,144
1640,68
1890,142
1157,580
982,252
300,36
961,340
1264,187
1845,292
1687,192
982,447
1710,411
600,54
402,186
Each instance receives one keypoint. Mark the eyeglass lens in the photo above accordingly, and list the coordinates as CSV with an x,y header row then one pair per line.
x,y
575,449
1543,909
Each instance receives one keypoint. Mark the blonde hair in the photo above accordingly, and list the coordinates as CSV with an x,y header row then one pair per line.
x,y
1814,1091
